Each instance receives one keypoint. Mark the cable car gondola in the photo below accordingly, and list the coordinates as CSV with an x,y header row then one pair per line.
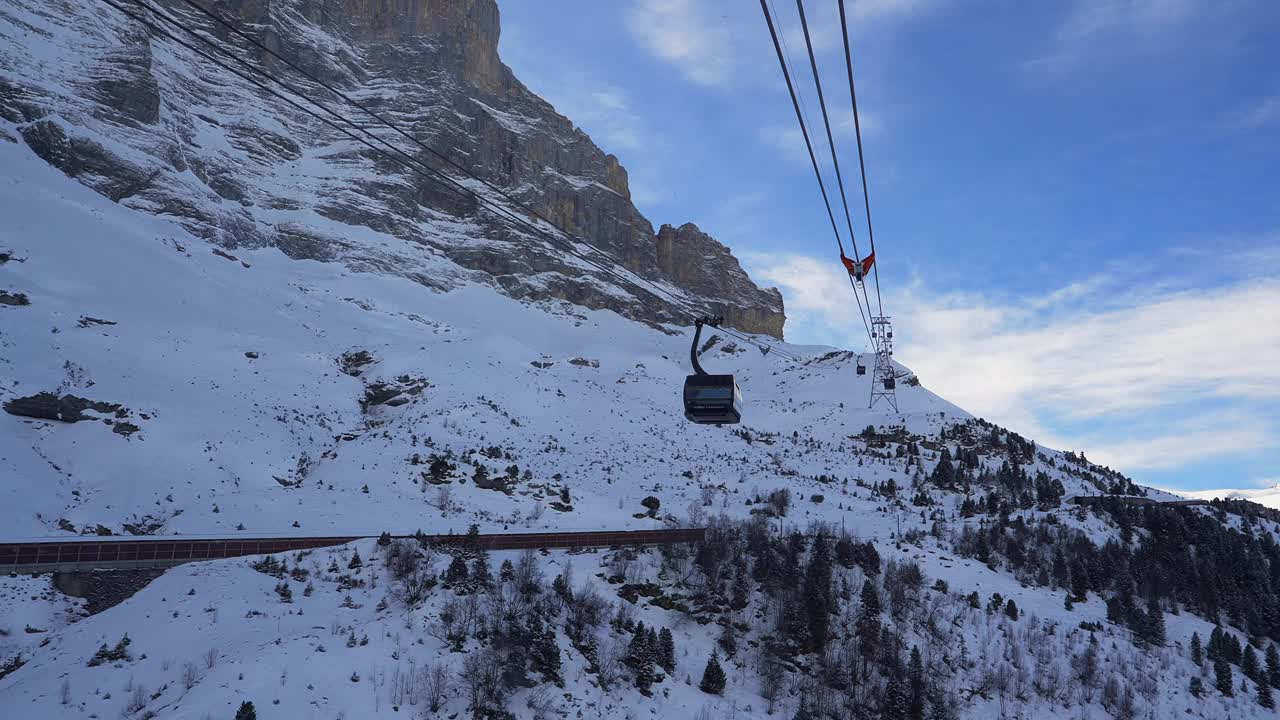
x,y
862,369
710,399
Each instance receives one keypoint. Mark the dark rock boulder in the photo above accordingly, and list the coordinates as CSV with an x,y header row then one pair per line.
x,y
68,408
14,299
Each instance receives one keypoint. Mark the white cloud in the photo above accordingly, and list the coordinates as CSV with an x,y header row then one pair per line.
x,y
682,33
1203,438
880,10
1097,28
1090,18
1265,112
723,44
1152,364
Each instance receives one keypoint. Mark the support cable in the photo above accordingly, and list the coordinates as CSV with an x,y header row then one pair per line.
x,y
831,143
773,33
857,128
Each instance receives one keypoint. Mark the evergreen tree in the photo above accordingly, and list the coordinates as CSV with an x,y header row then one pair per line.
x,y
1264,696
1155,622
246,711
1249,664
915,686
940,706
728,641
480,578
1197,687
457,572
867,627
741,590
1197,653
639,643
560,585
545,653
713,679
356,563
1061,578
795,627
666,651
983,549
870,599
1011,609
641,657
1215,644
1222,674
944,473
1079,580
896,702
507,572
817,594
1273,665
845,552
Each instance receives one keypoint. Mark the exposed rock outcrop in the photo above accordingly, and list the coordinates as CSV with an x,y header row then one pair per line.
x,y
68,408
697,262
152,125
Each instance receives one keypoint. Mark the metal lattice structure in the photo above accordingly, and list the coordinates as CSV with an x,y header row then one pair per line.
x,y
884,381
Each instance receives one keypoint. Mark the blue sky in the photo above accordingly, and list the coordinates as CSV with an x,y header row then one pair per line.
x,y
1076,202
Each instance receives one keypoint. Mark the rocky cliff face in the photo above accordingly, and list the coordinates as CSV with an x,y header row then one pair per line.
x,y
157,127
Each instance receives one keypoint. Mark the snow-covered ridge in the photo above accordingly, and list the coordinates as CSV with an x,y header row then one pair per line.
x,y
1263,496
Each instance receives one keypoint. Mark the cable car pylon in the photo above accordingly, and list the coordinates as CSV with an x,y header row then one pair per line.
x,y
884,381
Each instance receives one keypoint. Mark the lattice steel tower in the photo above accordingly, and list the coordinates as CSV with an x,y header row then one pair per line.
x,y
884,381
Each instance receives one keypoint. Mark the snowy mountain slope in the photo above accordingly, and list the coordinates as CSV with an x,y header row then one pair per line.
x,y
225,440
341,641
250,326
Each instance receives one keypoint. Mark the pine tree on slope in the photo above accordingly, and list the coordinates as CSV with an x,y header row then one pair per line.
x,y
1011,609
1249,664
895,701
246,711
1215,644
915,686
1155,622
728,640
713,679
1197,653
666,651
1273,665
1222,673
